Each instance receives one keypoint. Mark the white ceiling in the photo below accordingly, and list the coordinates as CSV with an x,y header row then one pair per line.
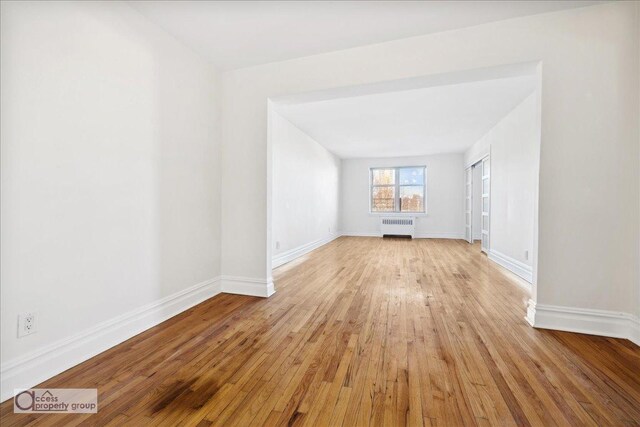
x,y
235,34
437,119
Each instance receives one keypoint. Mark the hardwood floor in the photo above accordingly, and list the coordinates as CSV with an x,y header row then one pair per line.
x,y
363,331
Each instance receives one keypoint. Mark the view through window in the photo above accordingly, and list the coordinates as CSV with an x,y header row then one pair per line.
x,y
398,189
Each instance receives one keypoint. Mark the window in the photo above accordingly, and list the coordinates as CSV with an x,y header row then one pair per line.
x,y
400,189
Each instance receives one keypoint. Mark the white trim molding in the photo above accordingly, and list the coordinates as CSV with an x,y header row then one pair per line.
x,y
584,321
440,235
518,268
436,235
359,234
291,254
531,312
247,286
47,362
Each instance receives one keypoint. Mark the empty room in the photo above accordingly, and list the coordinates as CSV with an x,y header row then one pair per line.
x,y
323,213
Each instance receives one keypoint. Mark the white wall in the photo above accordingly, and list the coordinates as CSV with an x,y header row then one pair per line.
x,y
110,169
445,195
306,192
476,152
589,62
477,203
514,143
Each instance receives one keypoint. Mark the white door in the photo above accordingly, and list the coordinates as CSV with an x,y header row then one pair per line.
x,y
468,205
486,186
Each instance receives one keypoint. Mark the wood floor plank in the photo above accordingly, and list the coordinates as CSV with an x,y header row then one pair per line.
x,y
362,331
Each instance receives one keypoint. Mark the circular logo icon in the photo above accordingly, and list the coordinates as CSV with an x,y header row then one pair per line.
x,y
24,400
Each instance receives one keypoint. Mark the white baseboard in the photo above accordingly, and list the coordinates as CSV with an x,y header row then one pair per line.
x,y
439,235
40,365
585,321
530,317
360,234
518,268
436,235
294,253
247,286
634,335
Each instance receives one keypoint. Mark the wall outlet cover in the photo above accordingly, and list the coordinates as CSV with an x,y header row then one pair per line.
x,y
27,324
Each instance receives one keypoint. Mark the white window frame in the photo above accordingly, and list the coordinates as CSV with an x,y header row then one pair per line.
x,y
397,186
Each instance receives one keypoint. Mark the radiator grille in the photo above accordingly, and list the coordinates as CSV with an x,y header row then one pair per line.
x,y
397,221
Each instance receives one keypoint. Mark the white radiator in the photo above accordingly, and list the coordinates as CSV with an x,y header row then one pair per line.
x,y
398,226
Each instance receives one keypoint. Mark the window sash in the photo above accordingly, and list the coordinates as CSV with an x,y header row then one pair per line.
x,y
394,199
397,208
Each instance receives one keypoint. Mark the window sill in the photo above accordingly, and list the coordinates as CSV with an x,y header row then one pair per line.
x,y
407,214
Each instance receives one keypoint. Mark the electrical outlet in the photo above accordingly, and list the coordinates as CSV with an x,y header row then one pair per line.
x,y
27,324
526,255
277,245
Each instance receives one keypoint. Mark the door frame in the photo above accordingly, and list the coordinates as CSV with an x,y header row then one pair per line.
x,y
469,210
485,164
468,199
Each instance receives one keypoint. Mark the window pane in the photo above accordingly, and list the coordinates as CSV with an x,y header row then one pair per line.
x,y
410,176
411,199
383,199
384,176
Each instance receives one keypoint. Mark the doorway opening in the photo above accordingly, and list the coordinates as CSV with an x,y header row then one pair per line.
x,y
477,202
323,145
